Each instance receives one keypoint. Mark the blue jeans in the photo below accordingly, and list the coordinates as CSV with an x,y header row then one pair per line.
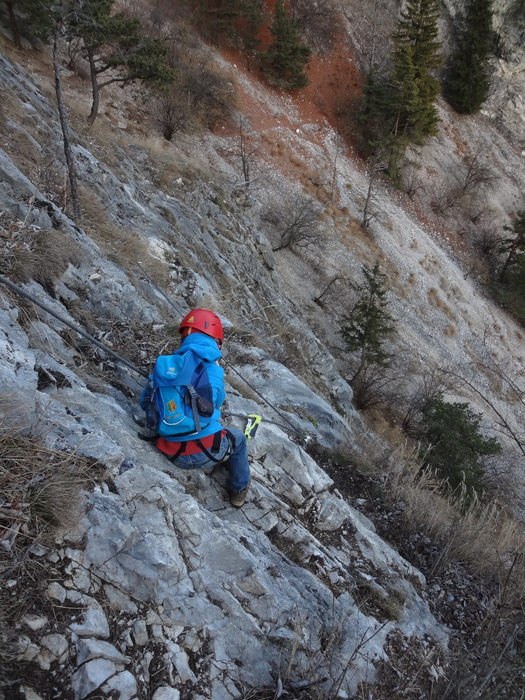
x,y
237,462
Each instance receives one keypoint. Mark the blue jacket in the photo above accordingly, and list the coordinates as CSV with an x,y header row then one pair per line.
x,y
206,349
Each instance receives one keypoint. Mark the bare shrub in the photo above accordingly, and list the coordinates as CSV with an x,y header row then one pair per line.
x,y
41,490
412,179
431,386
444,198
339,277
375,386
297,220
201,96
489,241
317,22
476,173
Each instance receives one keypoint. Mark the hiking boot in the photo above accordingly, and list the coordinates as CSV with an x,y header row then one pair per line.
x,y
237,498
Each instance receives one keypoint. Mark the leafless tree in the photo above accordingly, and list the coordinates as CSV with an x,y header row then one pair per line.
x,y
299,223
337,278
477,173
412,181
71,167
370,211
246,151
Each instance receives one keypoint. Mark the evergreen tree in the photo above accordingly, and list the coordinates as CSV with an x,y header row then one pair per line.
x,y
399,109
416,54
113,42
417,26
467,81
31,18
366,326
287,55
451,431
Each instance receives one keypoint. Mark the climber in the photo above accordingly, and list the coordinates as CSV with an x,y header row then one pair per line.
x,y
207,442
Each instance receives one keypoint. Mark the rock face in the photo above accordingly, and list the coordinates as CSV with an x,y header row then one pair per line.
x,y
166,590
165,574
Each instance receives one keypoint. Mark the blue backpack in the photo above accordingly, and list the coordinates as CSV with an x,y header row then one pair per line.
x,y
179,396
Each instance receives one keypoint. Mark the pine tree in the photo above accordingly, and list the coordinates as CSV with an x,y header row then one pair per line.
x,y
467,80
399,109
366,326
417,26
114,42
31,18
287,55
416,52
451,430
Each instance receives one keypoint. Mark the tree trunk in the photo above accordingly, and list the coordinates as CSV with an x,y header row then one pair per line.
x,y
94,87
73,179
14,25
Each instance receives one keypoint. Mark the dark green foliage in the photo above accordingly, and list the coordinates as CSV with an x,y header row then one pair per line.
x,y
418,27
416,53
367,325
31,18
287,55
115,41
467,80
399,109
510,287
450,433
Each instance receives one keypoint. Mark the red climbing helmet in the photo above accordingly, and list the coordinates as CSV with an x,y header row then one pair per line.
x,y
202,321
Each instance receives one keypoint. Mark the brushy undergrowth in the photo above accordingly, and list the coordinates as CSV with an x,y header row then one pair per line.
x,y
40,494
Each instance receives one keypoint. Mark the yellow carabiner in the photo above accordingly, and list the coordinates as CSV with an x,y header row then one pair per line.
x,y
252,425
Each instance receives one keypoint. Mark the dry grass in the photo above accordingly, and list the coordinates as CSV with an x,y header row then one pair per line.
x,y
40,491
173,164
486,536
125,247
31,253
46,257
437,302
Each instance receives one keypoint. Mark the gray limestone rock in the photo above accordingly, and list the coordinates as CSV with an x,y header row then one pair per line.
x,y
92,648
56,649
57,592
140,632
94,624
123,684
166,693
91,676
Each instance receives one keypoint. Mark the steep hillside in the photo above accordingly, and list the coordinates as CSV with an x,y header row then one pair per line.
x,y
124,577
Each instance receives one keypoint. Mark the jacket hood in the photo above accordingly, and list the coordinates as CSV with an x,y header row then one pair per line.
x,y
202,345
